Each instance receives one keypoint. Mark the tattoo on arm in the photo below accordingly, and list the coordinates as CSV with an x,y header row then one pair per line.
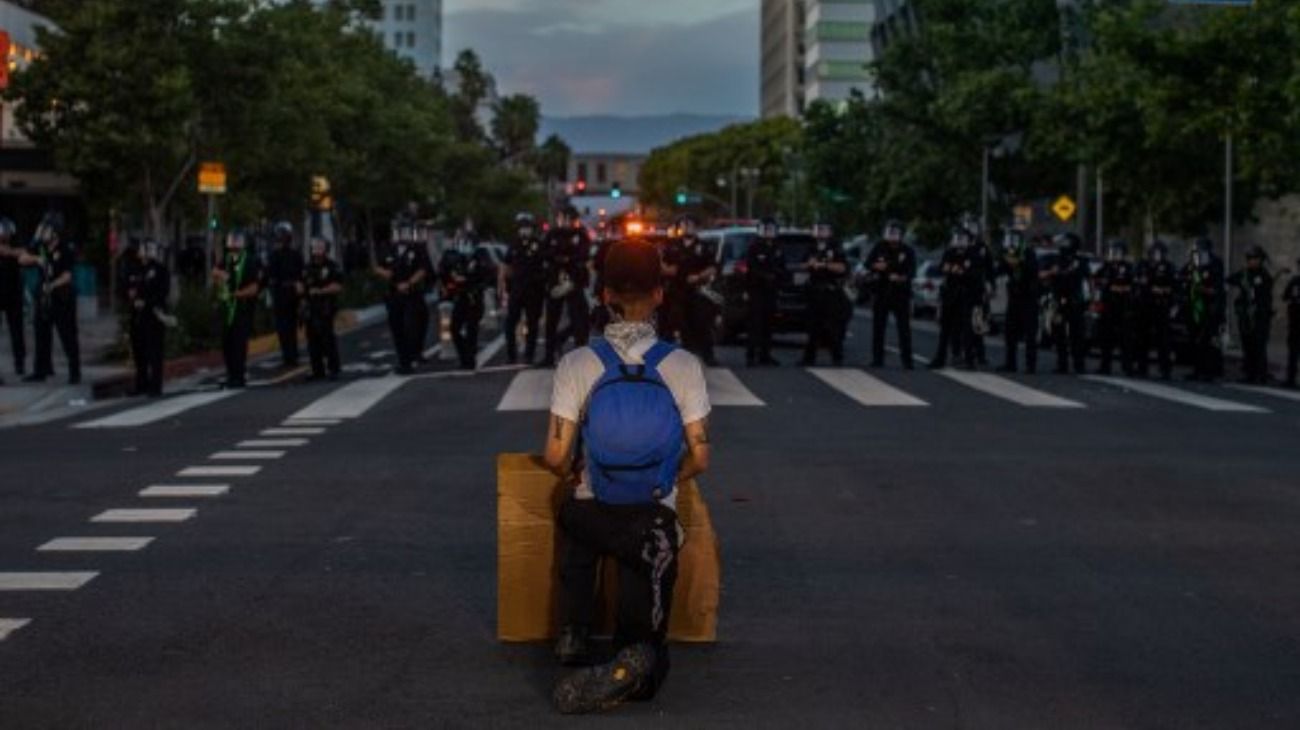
x,y
557,428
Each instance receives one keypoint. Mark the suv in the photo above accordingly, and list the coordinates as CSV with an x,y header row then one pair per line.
x,y
792,299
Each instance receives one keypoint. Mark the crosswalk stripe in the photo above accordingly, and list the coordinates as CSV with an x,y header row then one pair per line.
x,y
353,400
144,515
242,470
530,390
865,389
725,389
1272,392
158,411
293,431
95,545
69,581
9,625
1176,395
292,422
490,351
272,443
1010,390
185,491
250,455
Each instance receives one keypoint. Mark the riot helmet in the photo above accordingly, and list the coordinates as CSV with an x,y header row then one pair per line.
x,y
318,247
1068,244
823,231
686,227
960,238
1116,250
767,228
1158,252
7,229
894,231
1256,257
283,232
236,241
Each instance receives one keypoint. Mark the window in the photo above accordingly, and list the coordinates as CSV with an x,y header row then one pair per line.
x,y
582,171
410,40
600,173
410,13
397,40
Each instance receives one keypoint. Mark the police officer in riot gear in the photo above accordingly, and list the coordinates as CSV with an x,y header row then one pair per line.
x,y
323,282
238,279
699,268
405,267
56,300
1067,277
765,271
829,309
1204,302
677,295
1117,283
892,266
523,279
148,285
567,253
1019,264
1157,281
1254,307
11,293
1291,297
954,316
465,270
284,274
979,282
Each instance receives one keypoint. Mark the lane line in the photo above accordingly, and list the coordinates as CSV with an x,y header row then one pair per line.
x,y
1010,390
353,400
218,471
161,410
487,353
311,431
271,443
173,491
67,581
1176,395
726,389
866,389
95,545
9,625
250,455
1292,395
530,390
144,515
312,422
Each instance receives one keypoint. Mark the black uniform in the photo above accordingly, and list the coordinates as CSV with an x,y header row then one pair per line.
x,y
677,295
11,303
1291,296
464,280
284,273
1254,308
322,307
953,317
1023,293
243,270
1205,305
892,267
698,257
1067,279
56,309
567,251
1157,282
408,316
979,275
527,295
148,284
600,316
829,308
763,277
1117,283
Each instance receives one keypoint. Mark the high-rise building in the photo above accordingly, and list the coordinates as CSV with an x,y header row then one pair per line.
x,y
413,30
838,38
782,82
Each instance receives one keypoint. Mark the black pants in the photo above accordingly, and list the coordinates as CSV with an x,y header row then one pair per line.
x,y
884,305
951,337
1155,328
1293,348
643,539
285,308
59,314
524,300
1205,352
828,317
1022,329
234,343
1118,330
674,316
762,318
1071,340
13,309
147,352
1254,349
575,304
466,313
700,314
323,343
408,319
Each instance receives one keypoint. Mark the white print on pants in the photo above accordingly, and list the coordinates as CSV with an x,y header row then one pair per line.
x,y
658,553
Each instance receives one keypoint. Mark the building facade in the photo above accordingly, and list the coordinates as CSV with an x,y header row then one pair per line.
x,y
24,170
602,171
782,54
838,38
413,30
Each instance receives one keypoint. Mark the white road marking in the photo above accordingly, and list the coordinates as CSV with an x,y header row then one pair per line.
x,y
312,422
380,354
158,411
10,625
1164,392
177,490
352,401
292,431
145,515
487,353
1009,390
865,389
433,352
725,389
95,545
530,390
1261,390
219,471
272,443
70,581
250,455
922,359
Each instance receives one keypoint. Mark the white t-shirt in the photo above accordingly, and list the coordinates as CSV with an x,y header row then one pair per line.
x,y
581,369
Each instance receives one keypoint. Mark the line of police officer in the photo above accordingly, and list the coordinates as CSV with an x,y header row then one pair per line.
x,y
55,302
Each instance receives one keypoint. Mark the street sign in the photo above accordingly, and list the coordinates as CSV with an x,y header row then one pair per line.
x,y
1064,208
1024,216
212,178
320,193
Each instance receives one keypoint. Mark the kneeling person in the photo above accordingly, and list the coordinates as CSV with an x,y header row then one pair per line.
x,y
640,405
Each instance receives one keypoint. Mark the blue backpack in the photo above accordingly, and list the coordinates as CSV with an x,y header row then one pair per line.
x,y
632,430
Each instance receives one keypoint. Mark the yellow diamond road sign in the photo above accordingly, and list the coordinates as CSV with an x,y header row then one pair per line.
x,y
1064,208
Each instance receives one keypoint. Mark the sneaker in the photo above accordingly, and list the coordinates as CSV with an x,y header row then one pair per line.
x,y
604,687
571,648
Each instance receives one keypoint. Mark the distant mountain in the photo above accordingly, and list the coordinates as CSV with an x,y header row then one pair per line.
x,y
631,134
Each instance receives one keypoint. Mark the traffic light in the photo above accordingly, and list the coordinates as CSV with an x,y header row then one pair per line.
x,y
581,186
617,191
213,223
681,196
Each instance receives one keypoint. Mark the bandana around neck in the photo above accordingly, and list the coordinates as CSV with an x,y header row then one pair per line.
x,y
624,335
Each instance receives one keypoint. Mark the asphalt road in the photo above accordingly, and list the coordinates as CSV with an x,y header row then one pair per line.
x,y
1075,555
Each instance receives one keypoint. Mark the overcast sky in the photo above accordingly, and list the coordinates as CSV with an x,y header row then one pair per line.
x,y
625,57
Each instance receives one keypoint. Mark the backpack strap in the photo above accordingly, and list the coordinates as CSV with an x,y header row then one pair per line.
x,y
608,357
657,353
